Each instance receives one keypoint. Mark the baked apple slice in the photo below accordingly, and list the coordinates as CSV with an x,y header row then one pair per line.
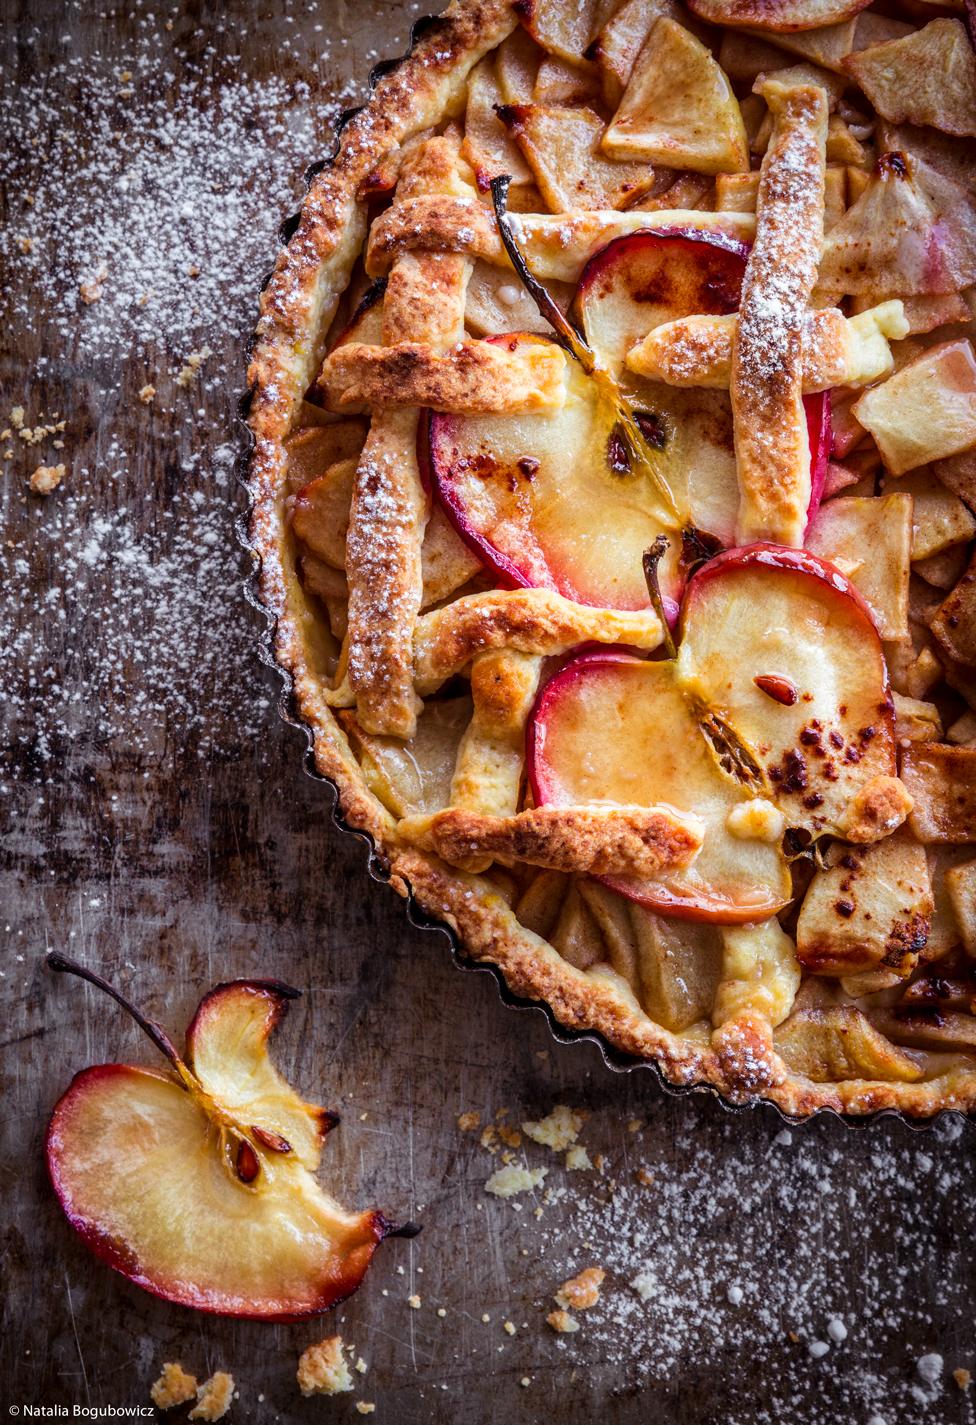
x,y
197,1184
610,726
778,642
580,525
774,713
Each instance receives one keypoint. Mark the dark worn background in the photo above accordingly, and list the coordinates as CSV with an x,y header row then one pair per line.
x,y
157,824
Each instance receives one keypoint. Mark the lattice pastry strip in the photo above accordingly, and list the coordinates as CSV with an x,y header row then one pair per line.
x,y
771,444
424,301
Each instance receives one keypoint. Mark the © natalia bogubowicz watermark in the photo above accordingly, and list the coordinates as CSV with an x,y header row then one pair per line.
x,y
81,1412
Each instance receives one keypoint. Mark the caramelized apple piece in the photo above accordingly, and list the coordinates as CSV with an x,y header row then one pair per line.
x,y
926,411
677,966
954,623
942,781
911,232
870,910
678,109
487,145
565,30
413,777
496,303
934,1030
621,40
197,1184
315,449
783,16
562,148
870,541
927,77
961,888
760,973
839,1042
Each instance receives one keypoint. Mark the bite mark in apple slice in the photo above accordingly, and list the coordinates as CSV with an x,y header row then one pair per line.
x,y
197,1185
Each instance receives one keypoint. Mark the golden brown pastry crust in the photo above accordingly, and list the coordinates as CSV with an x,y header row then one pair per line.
x,y
297,306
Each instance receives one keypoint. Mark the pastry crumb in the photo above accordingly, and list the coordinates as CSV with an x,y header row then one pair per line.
x,y
577,1159
558,1130
524,1382
214,1397
509,1328
962,1378
91,290
441,1312
322,1368
188,372
562,1322
361,1366
414,1301
509,1181
634,1125
645,1178
581,1291
468,1122
146,394
175,1386
365,1407
47,478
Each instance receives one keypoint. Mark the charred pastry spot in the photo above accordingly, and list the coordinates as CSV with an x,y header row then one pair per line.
x,y
925,1015
867,733
835,739
813,801
810,737
780,689
850,863
247,1164
852,755
844,908
829,770
528,465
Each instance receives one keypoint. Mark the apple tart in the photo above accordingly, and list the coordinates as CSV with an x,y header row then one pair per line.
x,y
613,477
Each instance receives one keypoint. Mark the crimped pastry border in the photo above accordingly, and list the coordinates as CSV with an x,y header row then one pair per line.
x,y
284,359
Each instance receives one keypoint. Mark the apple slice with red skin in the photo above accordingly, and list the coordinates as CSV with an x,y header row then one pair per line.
x,y
781,647
549,499
610,726
197,1184
768,612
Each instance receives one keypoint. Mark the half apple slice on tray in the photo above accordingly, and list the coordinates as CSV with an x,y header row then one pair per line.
x,y
551,500
779,657
197,1184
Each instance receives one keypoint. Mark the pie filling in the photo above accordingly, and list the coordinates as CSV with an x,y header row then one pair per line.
x,y
621,539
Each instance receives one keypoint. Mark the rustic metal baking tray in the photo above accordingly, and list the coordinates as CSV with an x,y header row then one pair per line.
x,y
614,1059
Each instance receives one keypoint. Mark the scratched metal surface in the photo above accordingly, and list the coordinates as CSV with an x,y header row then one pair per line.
x,y
171,861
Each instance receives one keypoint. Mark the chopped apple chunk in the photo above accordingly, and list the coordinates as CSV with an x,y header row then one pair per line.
x,y
413,777
516,66
871,909
496,303
932,1029
565,30
621,40
779,16
961,887
316,449
940,520
487,146
926,411
870,540
677,964
840,1042
197,1184
927,77
562,147
941,779
954,624
911,232
561,84
760,973
678,109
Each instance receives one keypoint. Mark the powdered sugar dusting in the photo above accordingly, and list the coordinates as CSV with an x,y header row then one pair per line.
x,y
136,240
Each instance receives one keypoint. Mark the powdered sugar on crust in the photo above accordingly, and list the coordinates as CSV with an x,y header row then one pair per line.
x,y
772,450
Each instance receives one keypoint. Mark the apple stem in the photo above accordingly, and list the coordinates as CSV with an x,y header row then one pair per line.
x,y
64,965
652,558
578,347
